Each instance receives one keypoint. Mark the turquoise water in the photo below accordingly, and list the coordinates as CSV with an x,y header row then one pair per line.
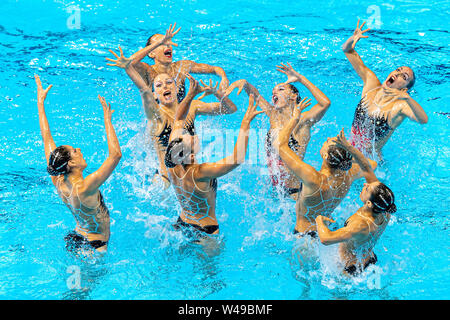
x,y
257,258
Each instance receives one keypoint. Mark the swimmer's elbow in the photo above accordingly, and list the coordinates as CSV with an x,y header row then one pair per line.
x,y
116,155
325,241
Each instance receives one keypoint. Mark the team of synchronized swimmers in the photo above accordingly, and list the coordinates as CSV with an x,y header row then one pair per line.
x,y
171,110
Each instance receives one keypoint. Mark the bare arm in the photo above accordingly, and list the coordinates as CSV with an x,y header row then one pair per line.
x,y
225,106
302,170
203,68
96,179
410,108
344,234
49,144
323,103
250,90
150,105
366,166
207,171
369,78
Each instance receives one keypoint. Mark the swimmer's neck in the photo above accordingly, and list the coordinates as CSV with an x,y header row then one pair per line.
x,y
74,176
330,172
161,67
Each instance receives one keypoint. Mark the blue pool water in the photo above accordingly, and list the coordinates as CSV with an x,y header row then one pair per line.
x,y
258,257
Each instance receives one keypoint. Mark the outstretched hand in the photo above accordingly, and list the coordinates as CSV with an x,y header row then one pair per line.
x,y
170,33
358,33
42,94
251,110
305,103
208,89
121,62
342,141
292,75
323,218
107,112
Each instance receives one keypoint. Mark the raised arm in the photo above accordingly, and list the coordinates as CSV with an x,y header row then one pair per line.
x,y
150,105
328,237
366,166
250,90
323,103
49,144
141,54
207,171
302,170
368,77
203,68
225,106
96,179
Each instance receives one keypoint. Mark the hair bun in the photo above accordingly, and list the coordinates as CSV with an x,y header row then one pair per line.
x,y
392,208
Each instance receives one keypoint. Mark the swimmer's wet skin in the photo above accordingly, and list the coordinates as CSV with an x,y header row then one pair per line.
x,y
196,184
285,97
322,191
159,94
81,195
383,106
363,229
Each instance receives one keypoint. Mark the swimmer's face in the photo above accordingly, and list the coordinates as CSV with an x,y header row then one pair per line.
x,y
282,96
165,89
76,158
367,191
163,53
399,79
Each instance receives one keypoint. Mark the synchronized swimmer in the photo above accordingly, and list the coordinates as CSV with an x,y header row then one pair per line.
x,y
171,112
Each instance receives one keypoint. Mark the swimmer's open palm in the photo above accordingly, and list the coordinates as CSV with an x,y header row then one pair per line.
x,y
359,33
107,112
208,89
170,33
42,94
240,84
251,110
305,103
121,61
292,75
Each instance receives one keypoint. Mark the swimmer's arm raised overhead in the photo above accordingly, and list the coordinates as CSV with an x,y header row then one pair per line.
x,y
150,105
302,170
207,171
49,144
368,76
96,179
250,90
365,167
225,106
410,108
323,103
328,237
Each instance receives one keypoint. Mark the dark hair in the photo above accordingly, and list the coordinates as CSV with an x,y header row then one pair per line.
x,y
412,80
149,40
58,160
168,157
339,158
383,199
295,91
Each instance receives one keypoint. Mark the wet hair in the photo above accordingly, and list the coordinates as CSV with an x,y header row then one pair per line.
x,y
339,158
58,161
295,91
412,81
383,199
168,157
149,40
